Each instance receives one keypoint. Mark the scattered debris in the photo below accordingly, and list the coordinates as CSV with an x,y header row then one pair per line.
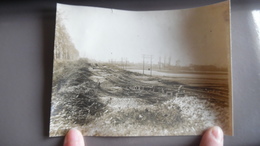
x,y
108,101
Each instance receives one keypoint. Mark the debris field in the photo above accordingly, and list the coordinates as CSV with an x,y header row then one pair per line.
x,y
105,100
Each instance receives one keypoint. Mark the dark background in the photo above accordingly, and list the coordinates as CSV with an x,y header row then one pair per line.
x,y
26,53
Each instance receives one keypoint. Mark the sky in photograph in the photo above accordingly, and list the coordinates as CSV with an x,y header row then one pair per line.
x,y
193,36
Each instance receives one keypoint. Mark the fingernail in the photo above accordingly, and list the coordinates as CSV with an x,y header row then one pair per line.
x,y
217,134
72,137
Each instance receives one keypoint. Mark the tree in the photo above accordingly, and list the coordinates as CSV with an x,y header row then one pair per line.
x,y
64,48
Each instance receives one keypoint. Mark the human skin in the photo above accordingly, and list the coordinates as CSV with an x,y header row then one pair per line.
x,y
212,137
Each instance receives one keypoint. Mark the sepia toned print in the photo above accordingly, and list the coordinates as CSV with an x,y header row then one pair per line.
x,y
141,73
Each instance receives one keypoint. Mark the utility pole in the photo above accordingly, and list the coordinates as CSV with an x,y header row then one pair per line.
x,y
143,63
169,64
122,63
164,62
151,62
125,63
159,63
151,65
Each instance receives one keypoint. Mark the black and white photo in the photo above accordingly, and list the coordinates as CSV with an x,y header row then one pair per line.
x,y
141,73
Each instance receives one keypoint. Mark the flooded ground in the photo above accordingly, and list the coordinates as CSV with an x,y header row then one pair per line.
x,y
104,100
209,75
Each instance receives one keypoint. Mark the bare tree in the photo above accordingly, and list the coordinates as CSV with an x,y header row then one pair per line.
x,y
64,49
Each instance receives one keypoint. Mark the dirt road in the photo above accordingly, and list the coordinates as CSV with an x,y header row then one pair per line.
x,y
104,100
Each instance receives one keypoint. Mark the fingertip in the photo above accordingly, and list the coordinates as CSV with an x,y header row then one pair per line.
x,y
217,133
74,138
212,137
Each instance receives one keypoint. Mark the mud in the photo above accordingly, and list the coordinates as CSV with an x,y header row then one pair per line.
x,y
104,100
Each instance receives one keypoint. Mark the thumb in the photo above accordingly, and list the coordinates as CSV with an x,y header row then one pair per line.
x,y
212,137
74,138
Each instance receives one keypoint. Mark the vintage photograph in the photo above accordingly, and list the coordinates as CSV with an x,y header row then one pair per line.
x,y
141,73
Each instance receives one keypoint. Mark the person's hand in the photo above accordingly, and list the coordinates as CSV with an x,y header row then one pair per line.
x,y
212,137
74,138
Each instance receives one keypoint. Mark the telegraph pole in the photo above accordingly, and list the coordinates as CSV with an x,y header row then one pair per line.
x,y
122,63
159,63
151,65
151,62
125,63
143,63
